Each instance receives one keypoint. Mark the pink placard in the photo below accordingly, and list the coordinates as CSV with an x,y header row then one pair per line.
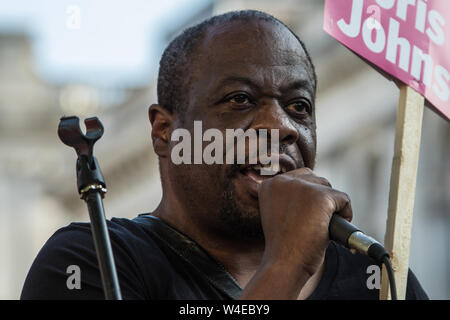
x,y
408,39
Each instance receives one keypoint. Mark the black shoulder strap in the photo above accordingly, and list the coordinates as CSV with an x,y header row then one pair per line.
x,y
193,254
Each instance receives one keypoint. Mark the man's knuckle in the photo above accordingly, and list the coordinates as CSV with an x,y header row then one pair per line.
x,y
328,201
345,197
324,181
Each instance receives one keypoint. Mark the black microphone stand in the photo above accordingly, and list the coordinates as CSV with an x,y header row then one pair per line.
x,y
92,188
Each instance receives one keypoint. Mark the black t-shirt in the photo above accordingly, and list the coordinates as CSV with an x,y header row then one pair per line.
x,y
149,268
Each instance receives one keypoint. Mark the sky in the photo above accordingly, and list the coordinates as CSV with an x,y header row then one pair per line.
x,y
98,42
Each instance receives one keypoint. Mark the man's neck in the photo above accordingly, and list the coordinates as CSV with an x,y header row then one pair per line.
x,y
240,257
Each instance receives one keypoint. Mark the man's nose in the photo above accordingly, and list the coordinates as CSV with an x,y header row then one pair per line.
x,y
272,116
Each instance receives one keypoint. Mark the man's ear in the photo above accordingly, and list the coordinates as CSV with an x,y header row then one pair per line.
x,y
161,120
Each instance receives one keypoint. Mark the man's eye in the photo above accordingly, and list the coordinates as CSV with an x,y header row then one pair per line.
x,y
240,99
299,107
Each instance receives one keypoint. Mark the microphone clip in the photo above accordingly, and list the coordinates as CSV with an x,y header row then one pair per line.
x,y
89,175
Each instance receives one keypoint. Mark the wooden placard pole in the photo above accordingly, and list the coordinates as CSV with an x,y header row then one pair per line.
x,y
402,188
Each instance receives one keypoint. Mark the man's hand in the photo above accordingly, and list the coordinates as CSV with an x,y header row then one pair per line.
x,y
295,208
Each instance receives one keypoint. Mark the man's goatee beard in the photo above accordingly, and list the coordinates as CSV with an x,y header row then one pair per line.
x,y
238,222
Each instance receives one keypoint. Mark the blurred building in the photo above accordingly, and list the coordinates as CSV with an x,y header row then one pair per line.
x,y
356,112
37,172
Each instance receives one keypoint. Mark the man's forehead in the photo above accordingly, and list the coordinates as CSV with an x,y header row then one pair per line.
x,y
252,39
248,48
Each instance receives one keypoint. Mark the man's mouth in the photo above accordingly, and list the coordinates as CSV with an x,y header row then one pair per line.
x,y
254,174
259,172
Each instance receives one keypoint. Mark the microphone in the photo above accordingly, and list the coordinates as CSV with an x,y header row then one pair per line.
x,y
346,234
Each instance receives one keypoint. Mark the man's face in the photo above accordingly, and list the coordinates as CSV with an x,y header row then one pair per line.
x,y
245,75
